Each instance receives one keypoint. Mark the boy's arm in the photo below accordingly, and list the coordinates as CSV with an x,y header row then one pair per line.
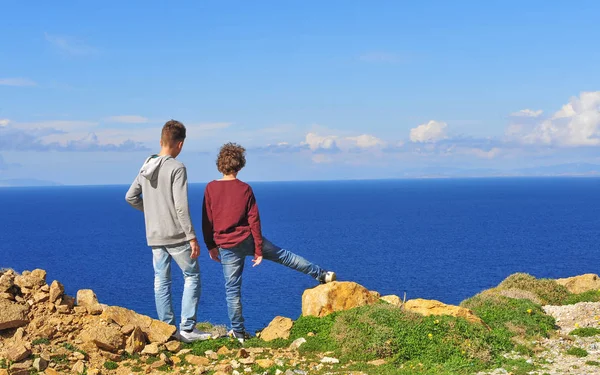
x,y
254,221
207,223
180,198
134,195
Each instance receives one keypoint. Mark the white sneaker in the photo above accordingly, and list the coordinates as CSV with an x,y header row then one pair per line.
x,y
327,277
194,335
240,336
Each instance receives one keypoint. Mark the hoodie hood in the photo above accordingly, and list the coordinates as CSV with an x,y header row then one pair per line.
x,y
150,168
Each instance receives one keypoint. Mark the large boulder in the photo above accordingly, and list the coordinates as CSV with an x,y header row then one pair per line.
x,y
279,328
428,307
12,315
30,280
335,296
155,330
56,291
580,284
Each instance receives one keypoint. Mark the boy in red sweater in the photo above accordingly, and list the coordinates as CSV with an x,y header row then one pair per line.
x,y
231,228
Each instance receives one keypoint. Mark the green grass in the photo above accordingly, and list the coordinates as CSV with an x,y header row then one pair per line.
x,y
589,296
3,363
577,352
549,291
585,332
41,341
592,363
136,369
61,359
110,365
151,360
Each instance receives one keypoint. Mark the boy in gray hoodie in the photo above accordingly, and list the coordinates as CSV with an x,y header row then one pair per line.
x,y
160,191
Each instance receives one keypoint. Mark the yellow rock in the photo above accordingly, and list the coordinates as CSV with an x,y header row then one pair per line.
x,y
392,300
580,284
432,307
279,328
336,296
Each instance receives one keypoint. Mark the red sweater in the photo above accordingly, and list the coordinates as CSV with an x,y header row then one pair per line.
x,y
230,215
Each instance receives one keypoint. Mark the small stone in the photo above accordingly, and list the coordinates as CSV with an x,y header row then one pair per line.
x,y
210,354
136,341
377,362
310,334
127,329
63,309
151,349
223,350
158,364
80,309
78,368
79,356
86,297
40,297
51,371
197,360
278,372
56,291
297,343
225,368
93,371
279,328
235,364
247,361
40,364
242,353
329,360
265,363
95,309
173,346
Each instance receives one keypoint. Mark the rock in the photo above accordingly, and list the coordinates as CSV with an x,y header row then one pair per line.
x,y
93,371
135,342
127,329
197,360
242,353
17,353
392,300
246,361
80,310
21,368
63,309
104,337
581,283
223,350
78,368
12,315
51,371
31,280
432,307
86,297
3,371
173,346
40,297
67,301
265,363
211,354
151,349
279,328
297,343
335,296
329,360
224,368
377,362
95,309
56,291
158,364
155,330
375,294
40,364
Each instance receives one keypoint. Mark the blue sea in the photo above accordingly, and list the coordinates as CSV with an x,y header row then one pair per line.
x,y
435,239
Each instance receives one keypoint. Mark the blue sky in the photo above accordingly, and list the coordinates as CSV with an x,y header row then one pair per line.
x,y
313,89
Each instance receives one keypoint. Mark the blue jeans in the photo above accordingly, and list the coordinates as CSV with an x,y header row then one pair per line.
x,y
233,265
161,259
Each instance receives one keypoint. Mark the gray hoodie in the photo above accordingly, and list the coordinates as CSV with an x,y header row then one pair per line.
x,y
163,183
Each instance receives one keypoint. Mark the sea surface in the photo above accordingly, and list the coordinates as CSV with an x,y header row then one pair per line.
x,y
436,239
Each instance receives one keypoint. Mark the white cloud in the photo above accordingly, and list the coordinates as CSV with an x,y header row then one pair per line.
x,y
316,142
366,141
21,82
128,119
433,131
527,113
70,45
4,122
577,123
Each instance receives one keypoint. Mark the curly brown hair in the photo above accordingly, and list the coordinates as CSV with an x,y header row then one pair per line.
x,y
232,158
172,132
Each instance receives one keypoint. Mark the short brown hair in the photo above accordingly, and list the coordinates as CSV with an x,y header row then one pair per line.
x,y
173,131
232,158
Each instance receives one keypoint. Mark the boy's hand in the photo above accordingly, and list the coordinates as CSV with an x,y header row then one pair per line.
x,y
195,248
214,254
257,260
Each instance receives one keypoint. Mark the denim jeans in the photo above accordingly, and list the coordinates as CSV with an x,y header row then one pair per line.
x,y
161,259
233,265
